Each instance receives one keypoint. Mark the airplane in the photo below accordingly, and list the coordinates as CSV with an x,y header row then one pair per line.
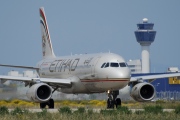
x,y
82,74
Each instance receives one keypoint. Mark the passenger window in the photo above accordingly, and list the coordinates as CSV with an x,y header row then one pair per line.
x,y
122,64
107,65
114,65
103,65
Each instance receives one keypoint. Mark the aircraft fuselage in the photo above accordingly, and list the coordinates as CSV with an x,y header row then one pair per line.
x,y
87,73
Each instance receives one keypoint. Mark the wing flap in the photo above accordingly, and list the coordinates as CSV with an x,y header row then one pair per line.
x,y
59,82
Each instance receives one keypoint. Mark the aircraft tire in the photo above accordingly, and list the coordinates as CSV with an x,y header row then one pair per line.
x,y
42,105
118,102
51,104
110,104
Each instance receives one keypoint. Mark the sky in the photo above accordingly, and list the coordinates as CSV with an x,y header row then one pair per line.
x,y
82,26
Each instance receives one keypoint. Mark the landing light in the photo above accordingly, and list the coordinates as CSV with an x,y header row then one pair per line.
x,y
108,91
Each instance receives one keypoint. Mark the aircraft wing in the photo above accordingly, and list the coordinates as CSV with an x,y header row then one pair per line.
x,y
153,77
50,81
27,67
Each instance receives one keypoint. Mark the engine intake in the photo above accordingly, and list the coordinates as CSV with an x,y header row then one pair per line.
x,y
40,92
143,92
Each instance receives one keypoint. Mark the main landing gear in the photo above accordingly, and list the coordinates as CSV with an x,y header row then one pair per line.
x,y
50,104
113,100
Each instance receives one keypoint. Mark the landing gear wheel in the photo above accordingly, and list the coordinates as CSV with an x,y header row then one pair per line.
x,y
43,105
110,104
51,104
118,102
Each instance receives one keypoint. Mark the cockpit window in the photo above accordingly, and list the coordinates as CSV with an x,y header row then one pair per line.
x,y
122,64
103,65
114,65
107,65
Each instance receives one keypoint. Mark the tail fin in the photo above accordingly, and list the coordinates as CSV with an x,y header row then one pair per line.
x,y
47,49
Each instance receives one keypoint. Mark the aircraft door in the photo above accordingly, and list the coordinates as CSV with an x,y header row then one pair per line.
x,y
89,83
93,66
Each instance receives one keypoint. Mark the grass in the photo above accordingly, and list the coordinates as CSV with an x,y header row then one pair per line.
x,y
87,104
4,110
177,109
122,113
152,110
65,109
59,103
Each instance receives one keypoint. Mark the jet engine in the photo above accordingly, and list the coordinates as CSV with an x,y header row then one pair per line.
x,y
142,92
39,92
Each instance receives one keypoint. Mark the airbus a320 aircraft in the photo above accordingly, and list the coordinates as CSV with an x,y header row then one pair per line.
x,y
82,74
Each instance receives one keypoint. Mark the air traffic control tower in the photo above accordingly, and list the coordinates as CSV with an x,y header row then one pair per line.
x,y
145,35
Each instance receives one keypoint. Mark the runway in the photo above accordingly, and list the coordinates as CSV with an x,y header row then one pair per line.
x,y
94,110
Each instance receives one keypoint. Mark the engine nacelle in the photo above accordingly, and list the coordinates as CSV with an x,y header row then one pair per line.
x,y
143,92
39,92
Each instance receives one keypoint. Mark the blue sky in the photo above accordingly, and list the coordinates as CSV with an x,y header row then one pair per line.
x,y
81,26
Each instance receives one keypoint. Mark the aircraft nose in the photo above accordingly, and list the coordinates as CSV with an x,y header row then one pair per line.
x,y
125,73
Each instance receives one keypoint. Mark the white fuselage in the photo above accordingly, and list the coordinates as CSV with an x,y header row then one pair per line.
x,y
86,72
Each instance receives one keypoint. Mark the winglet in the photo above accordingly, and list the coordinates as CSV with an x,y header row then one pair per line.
x,y
47,49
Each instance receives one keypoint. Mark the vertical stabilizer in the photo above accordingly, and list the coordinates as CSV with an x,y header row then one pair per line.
x,y
47,49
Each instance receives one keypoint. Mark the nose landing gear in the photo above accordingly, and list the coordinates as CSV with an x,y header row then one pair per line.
x,y
113,100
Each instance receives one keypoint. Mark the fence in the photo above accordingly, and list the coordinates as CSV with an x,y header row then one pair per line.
x,y
168,95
